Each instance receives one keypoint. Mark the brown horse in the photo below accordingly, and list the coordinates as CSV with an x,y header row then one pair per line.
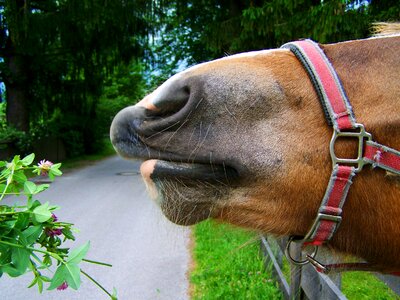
x,y
243,139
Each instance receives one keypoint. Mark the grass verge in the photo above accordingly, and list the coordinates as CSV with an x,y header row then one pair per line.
x,y
364,285
228,266
358,285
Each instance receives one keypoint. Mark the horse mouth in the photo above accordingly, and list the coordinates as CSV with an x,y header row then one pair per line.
x,y
192,172
176,166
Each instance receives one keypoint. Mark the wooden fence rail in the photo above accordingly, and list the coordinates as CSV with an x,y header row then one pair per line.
x,y
305,281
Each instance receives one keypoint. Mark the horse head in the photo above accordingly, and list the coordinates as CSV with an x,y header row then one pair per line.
x,y
243,139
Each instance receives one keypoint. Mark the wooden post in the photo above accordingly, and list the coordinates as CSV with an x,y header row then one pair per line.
x,y
295,273
276,268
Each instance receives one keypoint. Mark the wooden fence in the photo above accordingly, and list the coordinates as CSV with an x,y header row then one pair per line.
x,y
305,281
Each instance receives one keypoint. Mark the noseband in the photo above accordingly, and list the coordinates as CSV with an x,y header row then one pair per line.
x,y
339,114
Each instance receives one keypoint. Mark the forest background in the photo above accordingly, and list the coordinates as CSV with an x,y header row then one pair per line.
x,y
68,66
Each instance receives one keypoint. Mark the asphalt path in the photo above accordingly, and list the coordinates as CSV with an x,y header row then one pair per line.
x,y
108,203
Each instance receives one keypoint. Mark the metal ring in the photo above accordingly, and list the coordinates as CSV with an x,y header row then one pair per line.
x,y
294,261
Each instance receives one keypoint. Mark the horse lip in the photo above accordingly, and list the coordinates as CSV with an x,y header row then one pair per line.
x,y
217,173
174,165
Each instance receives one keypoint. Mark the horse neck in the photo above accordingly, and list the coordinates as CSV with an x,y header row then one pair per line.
x,y
369,71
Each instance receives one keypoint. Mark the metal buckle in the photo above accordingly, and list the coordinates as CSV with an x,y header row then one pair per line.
x,y
317,265
321,216
291,240
361,135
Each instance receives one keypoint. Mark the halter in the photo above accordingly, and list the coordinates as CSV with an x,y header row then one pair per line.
x,y
339,114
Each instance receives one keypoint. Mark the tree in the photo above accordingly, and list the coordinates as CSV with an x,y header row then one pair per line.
x,y
56,54
200,30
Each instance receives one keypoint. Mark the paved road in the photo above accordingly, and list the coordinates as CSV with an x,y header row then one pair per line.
x,y
109,204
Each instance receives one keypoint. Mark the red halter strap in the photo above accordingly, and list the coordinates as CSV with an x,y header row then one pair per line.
x,y
339,114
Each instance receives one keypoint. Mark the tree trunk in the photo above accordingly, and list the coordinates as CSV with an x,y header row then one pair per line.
x,y
16,92
17,76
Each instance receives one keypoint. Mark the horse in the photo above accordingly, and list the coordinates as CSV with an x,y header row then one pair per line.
x,y
243,139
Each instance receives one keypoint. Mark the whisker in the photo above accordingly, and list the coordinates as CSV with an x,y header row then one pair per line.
x,y
199,145
161,131
175,132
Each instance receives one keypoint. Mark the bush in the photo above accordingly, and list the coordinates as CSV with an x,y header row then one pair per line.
x,y
17,141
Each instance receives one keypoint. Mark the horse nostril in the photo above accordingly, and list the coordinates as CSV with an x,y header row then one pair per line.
x,y
170,99
164,109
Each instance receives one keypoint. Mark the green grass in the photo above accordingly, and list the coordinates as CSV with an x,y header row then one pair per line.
x,y
228,268
364,285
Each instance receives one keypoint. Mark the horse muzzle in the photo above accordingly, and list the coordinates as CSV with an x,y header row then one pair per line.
x,y
165,110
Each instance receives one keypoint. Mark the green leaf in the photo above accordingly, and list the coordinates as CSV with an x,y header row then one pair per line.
x,y
5,257
58,278
34,281
34,204
76,255
54,170
29,188
10,270
19,176
45,278
20,259
14,188
42,213
68,234
32,234
54,207
40,285
36,170
114,295
16,160
74,275
22,221
47,260
68,272
27,160
41,188
2,188
10,224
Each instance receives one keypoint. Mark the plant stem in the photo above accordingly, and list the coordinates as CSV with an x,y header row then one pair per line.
x,y
97,283
52,254
12,213
9,180
97,262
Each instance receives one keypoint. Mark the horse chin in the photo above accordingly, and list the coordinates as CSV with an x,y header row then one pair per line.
x,y
188,193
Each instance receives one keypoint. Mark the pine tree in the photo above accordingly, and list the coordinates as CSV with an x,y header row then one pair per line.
x,y
56,54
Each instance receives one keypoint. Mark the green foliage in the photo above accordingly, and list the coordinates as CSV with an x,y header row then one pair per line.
x,y
56,56
18,140
200,30
385,11
227,268
279,21
123,88
31,236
